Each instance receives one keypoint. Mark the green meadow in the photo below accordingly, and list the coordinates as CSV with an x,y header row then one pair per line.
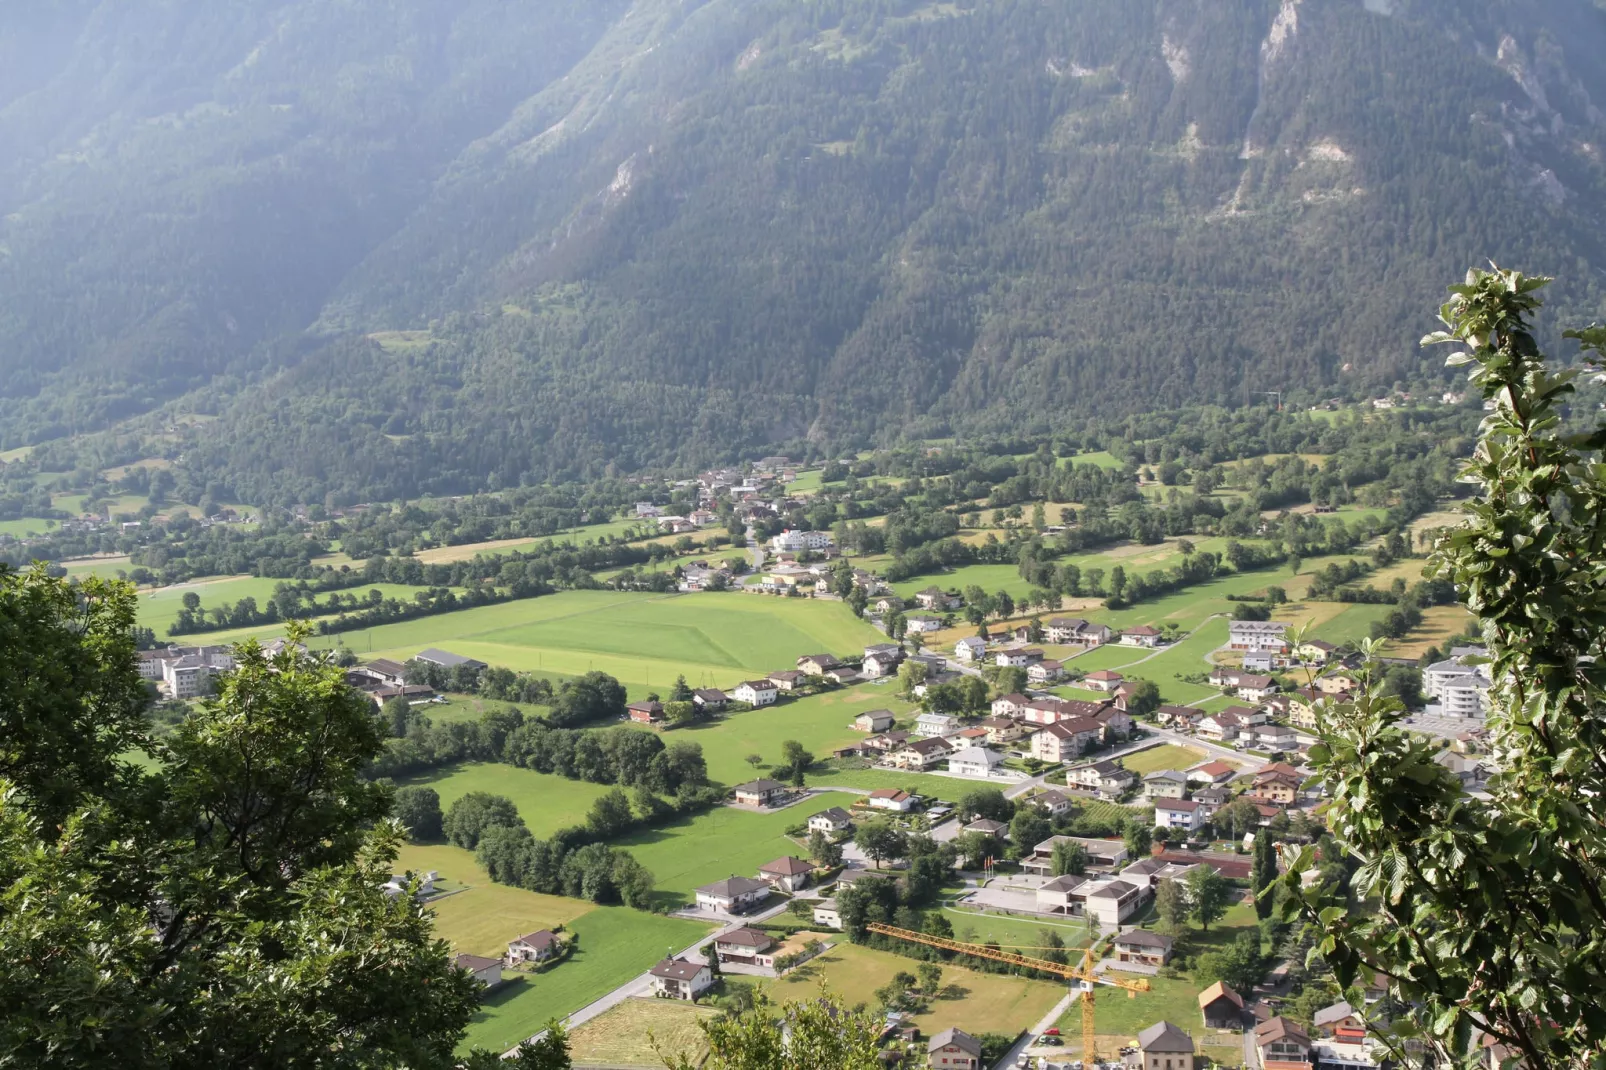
x,y
644,640
615,945
546,802
159,608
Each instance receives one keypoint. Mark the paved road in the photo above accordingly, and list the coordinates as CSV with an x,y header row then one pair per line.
x,y
1012,1056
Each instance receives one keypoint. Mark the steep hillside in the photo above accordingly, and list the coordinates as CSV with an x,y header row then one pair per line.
x,y
667,230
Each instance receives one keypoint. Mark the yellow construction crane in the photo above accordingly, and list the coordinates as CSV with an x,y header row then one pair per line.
x,y
1082,974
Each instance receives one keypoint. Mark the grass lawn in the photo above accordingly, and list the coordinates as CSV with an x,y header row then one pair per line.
x,y
1015,934
27,525
616,944
1184,659
820,722
991,1003
643,640
625,1036
158,608
1165,756
1353,623
1099,459
547,802
1439,625
1111,656
721,843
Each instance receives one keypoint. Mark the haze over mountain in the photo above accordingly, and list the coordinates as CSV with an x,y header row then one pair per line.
x,y
668,230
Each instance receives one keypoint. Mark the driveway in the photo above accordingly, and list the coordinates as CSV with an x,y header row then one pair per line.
x,y
1012,1056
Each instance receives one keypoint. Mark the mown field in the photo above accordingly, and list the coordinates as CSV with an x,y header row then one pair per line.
x,y
1165,756
159,608
644,640
616,944
986,1003
636,1032
545,801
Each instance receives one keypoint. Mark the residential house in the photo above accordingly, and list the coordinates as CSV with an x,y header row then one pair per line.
x,y
1051,802
1341,682
881,663
488,972
817,664
786,874
1277,783
1258,635
844,675
826,913
936,724
1185,814
1220,727
1045,672
919,755
922,623
829,821
788,680
1221,1007
874,721
1004,730
1275,737
1165,784
1176,716
891,799
938,599
975,761
1260,661
733,895
1011,705
886,742
1317,651
762,792
1282,1045
447,660
1065,740
1012,658
1255,688
1103,680
755,692
988,827
648,712
1339,1020
970,650
681,979
887,603
1067,630
1213,797
1304,707
1142,635
1143,947
1213,772
534,947
1050,710
710,699
1162,1046
954,1049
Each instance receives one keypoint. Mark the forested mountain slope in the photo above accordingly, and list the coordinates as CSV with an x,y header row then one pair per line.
x,y
666,230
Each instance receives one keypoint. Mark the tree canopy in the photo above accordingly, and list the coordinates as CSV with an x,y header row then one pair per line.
x,y
1489,914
